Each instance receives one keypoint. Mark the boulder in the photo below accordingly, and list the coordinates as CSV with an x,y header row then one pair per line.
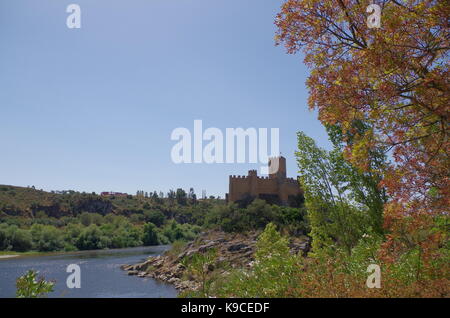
x,y
237,247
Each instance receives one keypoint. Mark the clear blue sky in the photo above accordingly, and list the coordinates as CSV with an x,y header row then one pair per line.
x,y
93,109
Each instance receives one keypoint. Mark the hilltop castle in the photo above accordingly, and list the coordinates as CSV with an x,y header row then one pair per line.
x,y
275,189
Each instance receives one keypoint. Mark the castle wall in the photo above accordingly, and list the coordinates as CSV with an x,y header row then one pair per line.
x,y
269,186
252,185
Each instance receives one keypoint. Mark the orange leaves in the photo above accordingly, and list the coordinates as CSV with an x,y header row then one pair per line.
x,y
397,80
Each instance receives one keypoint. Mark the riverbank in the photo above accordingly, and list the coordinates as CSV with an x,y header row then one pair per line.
x,y
11,254
8,256
237,250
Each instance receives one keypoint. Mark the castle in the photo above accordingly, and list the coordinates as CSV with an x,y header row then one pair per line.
x,y
275,189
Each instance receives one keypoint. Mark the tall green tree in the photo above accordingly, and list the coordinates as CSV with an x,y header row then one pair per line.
x,y
150,234
342,202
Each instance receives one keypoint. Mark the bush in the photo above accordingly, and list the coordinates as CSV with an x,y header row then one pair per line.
x,y
175,231
46,238
198,266
4,242
150,234
28,286
20,240
256,216
272,274
155,217
91,238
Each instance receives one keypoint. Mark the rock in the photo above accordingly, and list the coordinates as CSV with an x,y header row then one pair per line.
x,y
173,280
235,250
206,247
178,270
237,247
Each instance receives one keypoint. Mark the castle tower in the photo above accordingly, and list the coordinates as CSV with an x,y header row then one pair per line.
x,y
277,167
253,182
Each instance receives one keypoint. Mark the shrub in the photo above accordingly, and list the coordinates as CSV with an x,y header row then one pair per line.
x,y
46,238
150,234
20,240
29,286
91,238
155,217
200,267
272,274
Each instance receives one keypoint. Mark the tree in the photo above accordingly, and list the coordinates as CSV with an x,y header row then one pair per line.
x,y
91,238
150,234
333,217
85,218
395,79
171,195
20,240
46,238
362,186
181,196
28,286
154,216
192,196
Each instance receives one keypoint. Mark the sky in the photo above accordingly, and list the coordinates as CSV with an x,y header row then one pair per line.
x,y
93,109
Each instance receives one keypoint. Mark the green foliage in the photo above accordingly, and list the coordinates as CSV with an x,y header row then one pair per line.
x,y
46,238
102,232
257,215
342,203
150,234
29,286
272,273
155,217
176,248
13,238
181,197
201,267
91,238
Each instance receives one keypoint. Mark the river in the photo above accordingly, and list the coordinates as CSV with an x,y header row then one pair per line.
x,y
101,275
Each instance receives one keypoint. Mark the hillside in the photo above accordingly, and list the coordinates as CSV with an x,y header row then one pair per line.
x,y
35,220
28,202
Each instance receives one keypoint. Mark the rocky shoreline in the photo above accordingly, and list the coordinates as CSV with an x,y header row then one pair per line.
x,y
236,249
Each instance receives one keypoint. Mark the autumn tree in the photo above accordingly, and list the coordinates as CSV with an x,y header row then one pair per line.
x,y
395,79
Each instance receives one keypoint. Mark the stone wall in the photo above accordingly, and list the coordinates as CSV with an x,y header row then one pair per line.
x,y
275,184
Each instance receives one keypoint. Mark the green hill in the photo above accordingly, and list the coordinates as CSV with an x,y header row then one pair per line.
x,y
28,202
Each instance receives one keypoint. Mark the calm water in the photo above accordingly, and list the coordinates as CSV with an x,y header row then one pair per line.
x,y
101,275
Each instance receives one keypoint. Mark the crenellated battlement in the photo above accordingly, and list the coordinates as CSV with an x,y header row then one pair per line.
x,y
291,180
235,177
